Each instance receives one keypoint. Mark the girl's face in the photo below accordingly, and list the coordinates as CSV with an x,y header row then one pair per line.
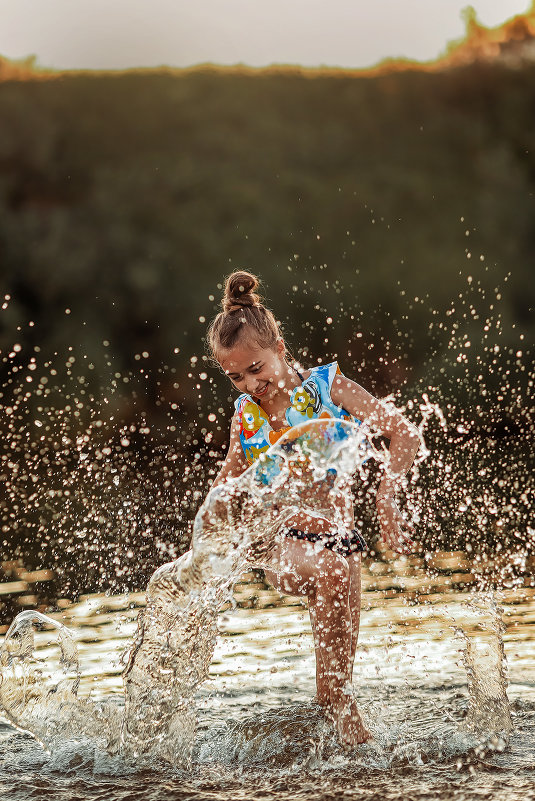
x,y
261,372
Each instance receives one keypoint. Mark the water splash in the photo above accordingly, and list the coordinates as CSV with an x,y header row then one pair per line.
x,y
237,525
40,695
489,711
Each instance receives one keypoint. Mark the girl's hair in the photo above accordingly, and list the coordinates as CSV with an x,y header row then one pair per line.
x,y
243,315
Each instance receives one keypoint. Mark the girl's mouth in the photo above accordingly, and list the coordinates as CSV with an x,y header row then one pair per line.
x,y
260,392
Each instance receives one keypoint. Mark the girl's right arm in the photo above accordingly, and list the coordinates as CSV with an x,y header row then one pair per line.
x,y
235,462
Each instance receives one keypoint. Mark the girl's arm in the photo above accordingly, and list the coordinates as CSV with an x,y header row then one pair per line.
x,y
404,445
233,466
235,462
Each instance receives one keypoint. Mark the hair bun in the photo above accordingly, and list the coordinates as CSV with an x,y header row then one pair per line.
x,y
252,325
239,291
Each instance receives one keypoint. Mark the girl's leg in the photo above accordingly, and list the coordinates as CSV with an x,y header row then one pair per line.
x,y
334,606
322,690
354,563
325,578
330,617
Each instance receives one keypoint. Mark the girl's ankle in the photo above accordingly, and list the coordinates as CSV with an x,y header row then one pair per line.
x,y
322,699
340,697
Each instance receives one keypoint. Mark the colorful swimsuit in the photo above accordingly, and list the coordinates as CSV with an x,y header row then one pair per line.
x,y
310,401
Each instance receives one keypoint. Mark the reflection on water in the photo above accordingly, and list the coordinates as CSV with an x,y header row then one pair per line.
x,y
259,732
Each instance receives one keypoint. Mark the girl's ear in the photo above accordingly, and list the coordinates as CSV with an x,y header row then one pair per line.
x,y
281,347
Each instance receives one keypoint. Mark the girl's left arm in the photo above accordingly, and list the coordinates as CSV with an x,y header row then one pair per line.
x,y
405,442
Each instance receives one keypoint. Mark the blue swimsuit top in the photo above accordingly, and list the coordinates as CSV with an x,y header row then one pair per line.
x,y
310,401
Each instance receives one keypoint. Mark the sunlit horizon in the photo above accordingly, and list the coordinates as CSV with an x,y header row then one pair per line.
x,y
348,34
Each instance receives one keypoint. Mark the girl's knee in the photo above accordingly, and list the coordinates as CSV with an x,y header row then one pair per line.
x,y
331,563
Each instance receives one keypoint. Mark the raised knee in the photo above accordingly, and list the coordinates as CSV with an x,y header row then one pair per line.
x,y
333,564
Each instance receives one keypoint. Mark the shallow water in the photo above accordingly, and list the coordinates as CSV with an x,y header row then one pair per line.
x,y
259,733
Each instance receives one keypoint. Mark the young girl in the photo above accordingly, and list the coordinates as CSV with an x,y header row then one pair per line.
x,y
246,342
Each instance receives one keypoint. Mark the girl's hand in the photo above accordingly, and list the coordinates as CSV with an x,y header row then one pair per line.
x,y
395,530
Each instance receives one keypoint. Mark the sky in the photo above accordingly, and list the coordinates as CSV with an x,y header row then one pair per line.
x,y
118,34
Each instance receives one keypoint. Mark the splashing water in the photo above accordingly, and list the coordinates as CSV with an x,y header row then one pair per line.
x,y
485,664
468,493
40,697
237,525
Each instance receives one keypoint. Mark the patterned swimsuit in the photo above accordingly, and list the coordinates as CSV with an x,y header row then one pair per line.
x,y
310,401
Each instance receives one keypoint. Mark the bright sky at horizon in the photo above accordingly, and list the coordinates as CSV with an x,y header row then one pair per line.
x,y
118,34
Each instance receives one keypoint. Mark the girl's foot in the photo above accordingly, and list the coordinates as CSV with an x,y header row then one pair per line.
x,y
348,723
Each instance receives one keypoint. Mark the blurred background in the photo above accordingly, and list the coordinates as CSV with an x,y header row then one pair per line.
x,y
389,212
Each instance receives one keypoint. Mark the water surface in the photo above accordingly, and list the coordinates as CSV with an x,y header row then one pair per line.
x,y
259,732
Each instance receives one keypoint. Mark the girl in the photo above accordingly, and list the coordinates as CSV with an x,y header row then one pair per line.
x,y
246,342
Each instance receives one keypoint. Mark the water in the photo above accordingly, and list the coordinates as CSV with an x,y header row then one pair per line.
x,y
176,632
430,676
259,734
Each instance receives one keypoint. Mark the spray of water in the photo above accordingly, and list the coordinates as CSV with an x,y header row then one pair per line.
x,y
68,481
39,694
237,525
484,660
